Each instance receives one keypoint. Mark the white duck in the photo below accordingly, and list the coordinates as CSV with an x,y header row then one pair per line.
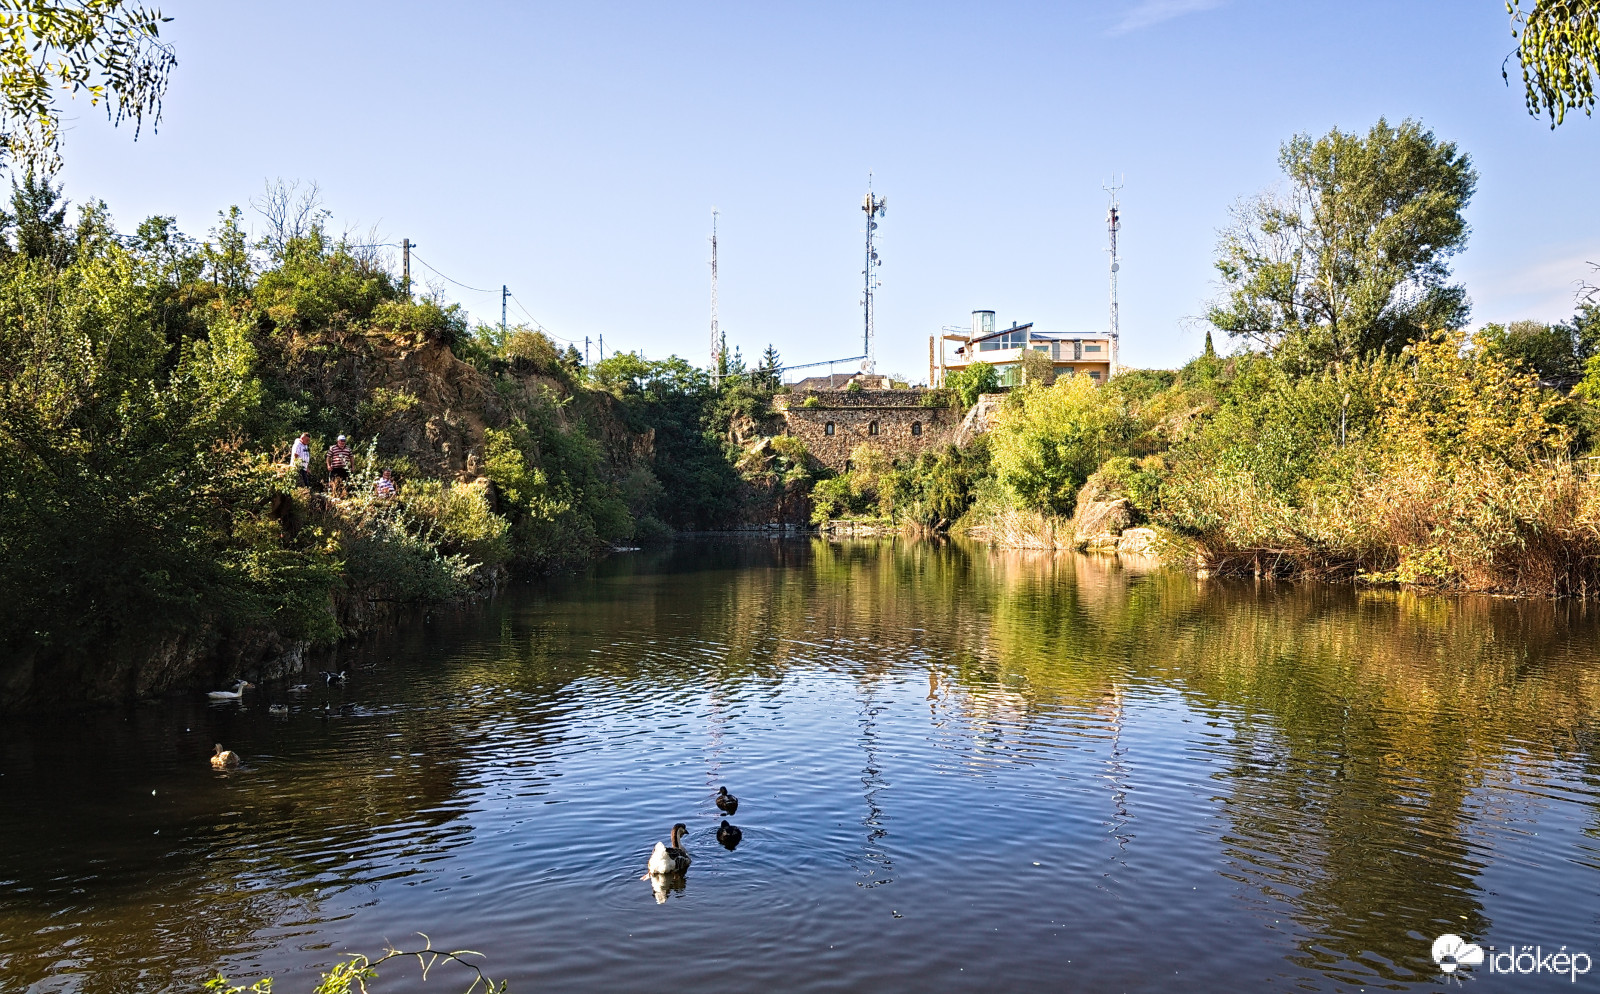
x,y
234,694
670,859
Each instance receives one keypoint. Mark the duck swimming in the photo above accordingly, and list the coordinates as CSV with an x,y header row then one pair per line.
x,y
234,694
729,835
670,859
224,759
726,802
277,709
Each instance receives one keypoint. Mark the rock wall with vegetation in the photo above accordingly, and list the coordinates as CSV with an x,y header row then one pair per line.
x,y
152,534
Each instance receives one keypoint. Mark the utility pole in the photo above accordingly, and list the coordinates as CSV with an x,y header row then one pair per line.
x,y
602,348
1113,225
586,363
406,245
874,208
716,336
504,293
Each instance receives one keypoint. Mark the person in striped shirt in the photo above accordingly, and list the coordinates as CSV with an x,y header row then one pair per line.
x,y
339,459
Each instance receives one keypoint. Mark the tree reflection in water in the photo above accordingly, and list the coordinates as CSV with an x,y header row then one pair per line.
x,y
1360,763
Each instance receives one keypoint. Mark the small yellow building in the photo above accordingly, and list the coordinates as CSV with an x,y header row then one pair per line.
x,y
1071,352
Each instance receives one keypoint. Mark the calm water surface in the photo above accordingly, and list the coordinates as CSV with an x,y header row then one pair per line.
x,y
959,769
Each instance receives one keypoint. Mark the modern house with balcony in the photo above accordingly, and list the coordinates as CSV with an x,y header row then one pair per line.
x,y
1070,352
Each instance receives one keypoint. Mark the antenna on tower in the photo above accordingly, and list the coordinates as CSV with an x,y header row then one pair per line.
x,y
1113,225
716,335
874,207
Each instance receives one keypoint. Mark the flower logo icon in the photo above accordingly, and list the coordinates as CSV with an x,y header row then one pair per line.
x,y
1451,951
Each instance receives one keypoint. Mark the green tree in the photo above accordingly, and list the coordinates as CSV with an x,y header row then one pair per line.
x,y
125,501
770,372
227,257
1037,367
110,50
1558,46
1047,440
40,216
1353,260
1553,351
971,382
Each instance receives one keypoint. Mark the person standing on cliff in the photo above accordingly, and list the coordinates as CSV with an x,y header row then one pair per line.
x,y
300,458
339,458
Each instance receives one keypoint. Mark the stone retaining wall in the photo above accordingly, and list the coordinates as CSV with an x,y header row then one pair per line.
x,y
894,421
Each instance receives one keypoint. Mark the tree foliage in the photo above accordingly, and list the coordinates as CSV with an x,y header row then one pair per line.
x,y
1353,259
1047,440
110,50
973,381
1558,46
1554,351
126,500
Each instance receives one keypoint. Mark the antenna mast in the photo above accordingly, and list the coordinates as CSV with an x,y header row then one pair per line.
x,y
1113,225
874,207
716,335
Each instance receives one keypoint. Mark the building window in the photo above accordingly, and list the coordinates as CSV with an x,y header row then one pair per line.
x,y
872,429
827,429
1010,340
1094,374
916,428
1091,348
1065,371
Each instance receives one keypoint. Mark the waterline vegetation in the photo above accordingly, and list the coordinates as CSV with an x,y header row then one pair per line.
x,y
1358,432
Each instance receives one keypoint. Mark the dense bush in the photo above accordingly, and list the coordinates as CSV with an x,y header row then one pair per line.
x,y
121,477
1047,440
972,381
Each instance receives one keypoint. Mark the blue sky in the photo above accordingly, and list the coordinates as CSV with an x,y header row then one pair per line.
x,y
574,152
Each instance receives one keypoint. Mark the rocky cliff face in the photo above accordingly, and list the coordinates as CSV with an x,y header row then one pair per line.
x,y
426,407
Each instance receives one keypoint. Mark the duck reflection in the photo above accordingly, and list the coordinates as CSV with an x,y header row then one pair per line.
x,y
664,885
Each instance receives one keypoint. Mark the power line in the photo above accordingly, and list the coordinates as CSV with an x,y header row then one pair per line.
x,y
447,279
538,325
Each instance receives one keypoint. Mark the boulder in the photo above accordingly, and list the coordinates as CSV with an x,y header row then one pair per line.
x,y
1103,542
1137,542
1098,519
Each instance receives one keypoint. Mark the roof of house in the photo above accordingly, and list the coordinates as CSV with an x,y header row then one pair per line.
x,y
1048,336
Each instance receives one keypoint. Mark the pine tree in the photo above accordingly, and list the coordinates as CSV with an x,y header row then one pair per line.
x,y
771,370
40,217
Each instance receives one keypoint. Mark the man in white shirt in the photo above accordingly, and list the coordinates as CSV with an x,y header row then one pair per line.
x,y
300,458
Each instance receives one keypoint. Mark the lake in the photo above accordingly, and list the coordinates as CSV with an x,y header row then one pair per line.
x,y
958,768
